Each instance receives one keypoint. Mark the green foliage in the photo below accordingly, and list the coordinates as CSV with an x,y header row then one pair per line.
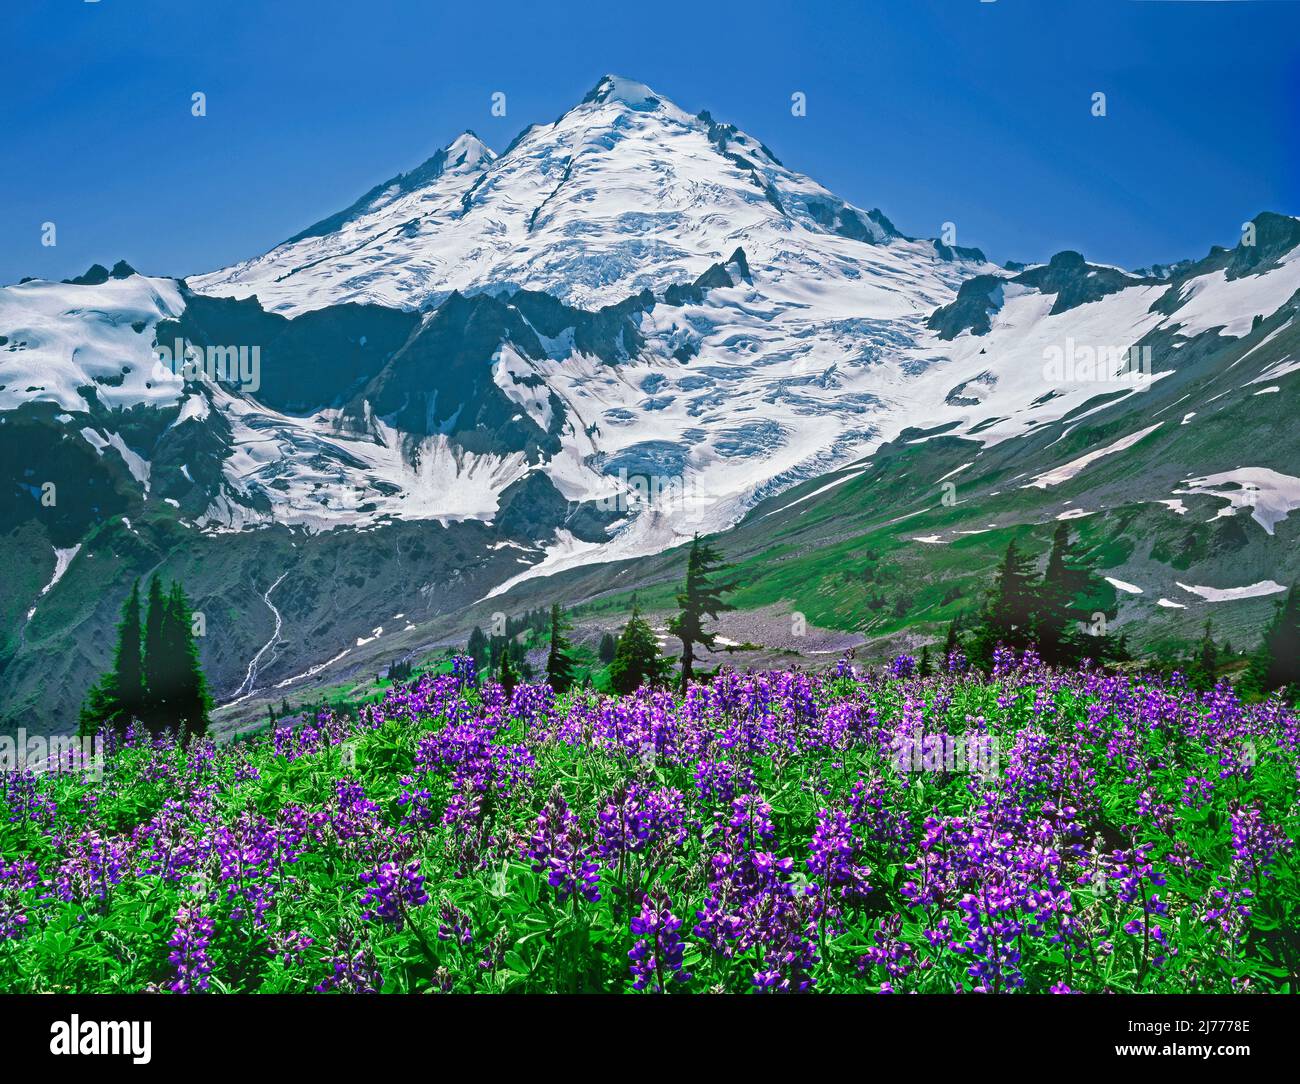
x,y
1280,650
1024,610
507,676
559,660
495,922
637,660
156,677
700,597
1008,616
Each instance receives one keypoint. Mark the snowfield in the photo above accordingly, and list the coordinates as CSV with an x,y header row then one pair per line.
x,y
807,346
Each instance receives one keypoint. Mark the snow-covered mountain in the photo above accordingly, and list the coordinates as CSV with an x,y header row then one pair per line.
x,y
745,321
632,324
624,192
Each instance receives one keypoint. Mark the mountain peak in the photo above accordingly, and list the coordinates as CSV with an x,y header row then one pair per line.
x,y
616,88
466,151
624,192
466,154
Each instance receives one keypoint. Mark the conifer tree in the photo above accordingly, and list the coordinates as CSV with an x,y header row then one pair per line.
x,y
1055,613
477,648
926,668
701,596
155,655
155,678
118,696
189,700
128,665
952,645
1202,669
1008,616
636,658
508,678
559,663
1283,643
1276,662
608,644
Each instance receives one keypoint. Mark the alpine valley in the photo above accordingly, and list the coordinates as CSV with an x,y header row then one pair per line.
x,y
504,379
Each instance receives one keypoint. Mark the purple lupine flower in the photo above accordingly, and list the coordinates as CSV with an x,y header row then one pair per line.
x,y
353,967
16,878
559,848
890,952
454,924
393,891
656,958
1256,843
463,670
290,946
635,819
189,955
835,863
904,666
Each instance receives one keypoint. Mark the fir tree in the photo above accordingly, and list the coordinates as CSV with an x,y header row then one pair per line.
x,y
507,678
1283,643
701,596
188,698
636,658
519,660
608,644
1202,671
1008,616
559,664
952,645
1055,614
128,666
477,648
118,696
1276,663
155,655
159,680
926,668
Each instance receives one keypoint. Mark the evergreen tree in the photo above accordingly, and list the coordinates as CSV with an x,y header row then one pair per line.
x,y
701,596
559,664
636,658
1283,643
1202,670
1055,614
507,678
118,696
477,648
1008,615
608,644
100,708
159,680
519,660
128,665
188,699
1276,663
155,655
925,669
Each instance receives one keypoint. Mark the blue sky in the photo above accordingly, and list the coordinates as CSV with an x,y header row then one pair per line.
x,y
932,110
